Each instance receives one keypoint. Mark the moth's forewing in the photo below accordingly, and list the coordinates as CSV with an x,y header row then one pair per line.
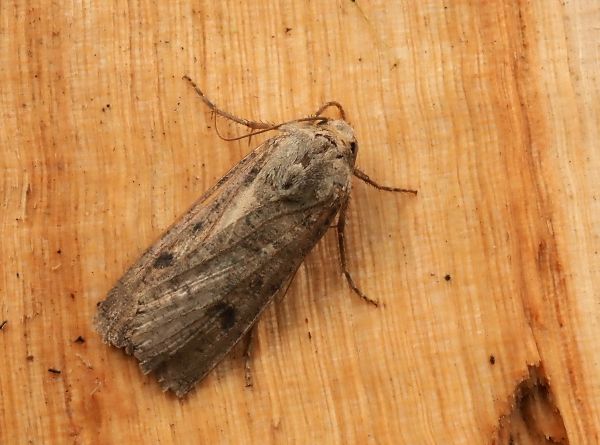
x,y
115,313
192,296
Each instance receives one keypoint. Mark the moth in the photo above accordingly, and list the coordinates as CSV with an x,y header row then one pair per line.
x,y
202,286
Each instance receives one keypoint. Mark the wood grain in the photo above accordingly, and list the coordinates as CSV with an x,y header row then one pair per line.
x,y
490,109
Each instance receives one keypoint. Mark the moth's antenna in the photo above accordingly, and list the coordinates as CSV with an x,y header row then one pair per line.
x,y
248,123
332,103
273,127
262,127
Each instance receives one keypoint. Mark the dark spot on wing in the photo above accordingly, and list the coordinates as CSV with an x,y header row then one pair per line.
x,y
253,172
198,226
224,312
165,259
228,318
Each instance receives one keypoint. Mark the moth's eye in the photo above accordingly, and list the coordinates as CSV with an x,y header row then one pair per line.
x,y
353,147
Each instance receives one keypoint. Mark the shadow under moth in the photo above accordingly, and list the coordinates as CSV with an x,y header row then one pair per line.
x,y
202,286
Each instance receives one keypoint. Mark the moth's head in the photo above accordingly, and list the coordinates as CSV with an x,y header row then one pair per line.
x,y
344,135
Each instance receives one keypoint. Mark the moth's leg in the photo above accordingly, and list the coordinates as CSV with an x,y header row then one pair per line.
x,y
248,356
365,178
341,224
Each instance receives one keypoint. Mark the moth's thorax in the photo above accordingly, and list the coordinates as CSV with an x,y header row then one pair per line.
x,y
333,136
310,162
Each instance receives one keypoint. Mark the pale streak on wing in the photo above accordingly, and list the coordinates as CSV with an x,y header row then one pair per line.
x,y
121,302
165,324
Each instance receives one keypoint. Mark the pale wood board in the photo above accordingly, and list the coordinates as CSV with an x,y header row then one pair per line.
x,y
490,109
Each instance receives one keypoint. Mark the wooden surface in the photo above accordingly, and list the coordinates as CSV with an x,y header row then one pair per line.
x,y
490,278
